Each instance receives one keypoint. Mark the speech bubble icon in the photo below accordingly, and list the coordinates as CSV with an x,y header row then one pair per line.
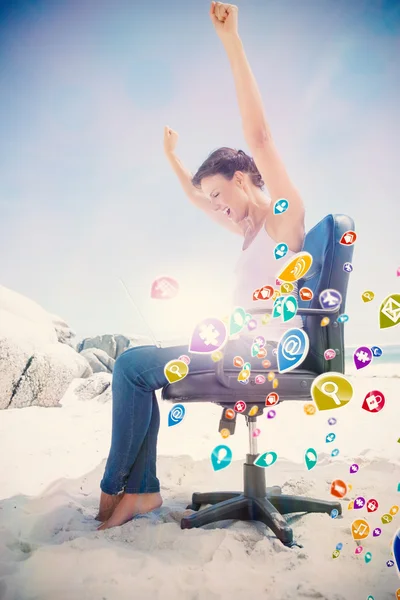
x,y
310,458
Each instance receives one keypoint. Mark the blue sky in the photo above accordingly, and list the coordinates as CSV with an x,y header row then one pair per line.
x,y
87,196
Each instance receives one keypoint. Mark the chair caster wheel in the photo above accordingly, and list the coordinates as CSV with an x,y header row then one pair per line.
x,y
193,507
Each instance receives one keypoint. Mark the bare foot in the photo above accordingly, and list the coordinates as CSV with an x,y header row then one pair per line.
x,y
131,505
107,505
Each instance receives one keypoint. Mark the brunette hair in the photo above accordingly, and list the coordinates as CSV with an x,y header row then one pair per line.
x,y
225,161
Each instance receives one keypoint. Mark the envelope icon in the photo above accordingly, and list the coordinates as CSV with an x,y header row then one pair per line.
x,y
389,313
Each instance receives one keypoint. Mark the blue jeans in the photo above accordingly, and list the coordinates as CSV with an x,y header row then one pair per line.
x,y
138,372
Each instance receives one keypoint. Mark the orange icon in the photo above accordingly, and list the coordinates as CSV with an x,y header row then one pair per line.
x,y
266,363
398,594
275,383
324,321
394,510
275,295
306,294
296,268
350,505
309,409
238,361
338,488
229,414
262,353
359,529
225,433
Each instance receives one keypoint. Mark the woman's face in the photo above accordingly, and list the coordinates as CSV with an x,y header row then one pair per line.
x,y
227,196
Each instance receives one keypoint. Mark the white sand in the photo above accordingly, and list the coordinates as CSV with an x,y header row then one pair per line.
x,y
53,460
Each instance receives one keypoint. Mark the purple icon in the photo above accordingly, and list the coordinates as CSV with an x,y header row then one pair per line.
x,y
390,563
348,267
330,299
362,357
332,421
359,502
252,324
354,468
271,414
208,336
260,340
377,532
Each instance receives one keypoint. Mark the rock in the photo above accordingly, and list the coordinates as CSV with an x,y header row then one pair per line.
x,y
98,387
64,333
113,344
99,360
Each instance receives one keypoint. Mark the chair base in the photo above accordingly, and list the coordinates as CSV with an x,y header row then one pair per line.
x,y
268,507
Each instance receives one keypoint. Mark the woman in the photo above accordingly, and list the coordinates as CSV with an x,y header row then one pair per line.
x,y
228,187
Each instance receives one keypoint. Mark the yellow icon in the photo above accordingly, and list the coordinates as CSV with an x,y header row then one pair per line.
x,y
325,321
349,487
216,356
296,268
359,529
386,518
275,295
175,370
271,376
394,510
286,288
310,409
331,390
368,296
253,411
266,319
398,594
275,383
225,320
350,505
243,375
225,433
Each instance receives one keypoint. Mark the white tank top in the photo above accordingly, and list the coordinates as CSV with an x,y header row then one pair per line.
x,y
257,267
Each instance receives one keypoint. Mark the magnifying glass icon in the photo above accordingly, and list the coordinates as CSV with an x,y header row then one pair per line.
x,y
175,369
367,295
333,392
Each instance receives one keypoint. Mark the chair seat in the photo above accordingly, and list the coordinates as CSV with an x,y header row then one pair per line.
x,y
204,387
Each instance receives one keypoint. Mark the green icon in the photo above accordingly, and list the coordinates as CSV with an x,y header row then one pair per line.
x,y
311,458
386,518
265,460
335,553
237,321
331,390
389,311
368,557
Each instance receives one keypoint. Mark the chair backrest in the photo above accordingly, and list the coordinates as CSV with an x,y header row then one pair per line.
x,y
329,256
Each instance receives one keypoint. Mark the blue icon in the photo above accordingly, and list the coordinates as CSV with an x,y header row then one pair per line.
x,y
332,421
390,563
348,267
335,452
310,458
292,349
281,206
245,382
278,307
330,437
176,415
289,307
280,250
342,318
396,550
330,299
339,546
265,460
221,457
334,513
376,351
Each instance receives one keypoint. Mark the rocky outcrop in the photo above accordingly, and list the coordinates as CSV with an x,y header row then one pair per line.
x,y
97,387
112,344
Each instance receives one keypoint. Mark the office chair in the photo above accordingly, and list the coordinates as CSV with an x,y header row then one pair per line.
x,y
257,502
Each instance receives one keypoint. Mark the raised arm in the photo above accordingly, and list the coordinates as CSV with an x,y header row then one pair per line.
x,y
185,178
289,225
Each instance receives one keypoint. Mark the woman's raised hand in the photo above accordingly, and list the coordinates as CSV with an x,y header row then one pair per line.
x,y
224,18
170,139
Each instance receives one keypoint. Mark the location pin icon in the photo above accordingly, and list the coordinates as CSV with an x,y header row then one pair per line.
x,y
221,457
310,458
368,557
396,550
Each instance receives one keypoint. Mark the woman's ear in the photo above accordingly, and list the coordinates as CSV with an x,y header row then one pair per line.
x,y
240,179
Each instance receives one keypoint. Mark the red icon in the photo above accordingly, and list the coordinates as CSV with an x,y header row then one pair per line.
x,y
278,282
229,413
306,294
374,401
338,488
263,293
348,238
271,399
240,406
372,505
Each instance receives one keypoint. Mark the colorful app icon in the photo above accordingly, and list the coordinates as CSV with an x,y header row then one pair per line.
x,y
277,312
209,335
256,432
332,421
286,288
362,357
390,563
243,376
330,438
335,553
253,411
359,503
240,406
358,550
262,353
386,518
342,318
334,513
252,324
389,312
164,288
271,414
225,433
325,321
348,267
339,546
292,349
338,488
360,529
394,510
330,299
264,293
266,319
377,532
237,321
175,370
255,349
281,250
176,415
306,294
396,550
221,457
281,206
247,366
354,468
296,268
331,390
265,460
398,568
217,355
368,557
259,379
275,383
376,351
350,505
372,505
335,452
238,361
260,341
368,296
310,458
310,409
374,401
329,354
348,238
272,399
266,363
289,308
